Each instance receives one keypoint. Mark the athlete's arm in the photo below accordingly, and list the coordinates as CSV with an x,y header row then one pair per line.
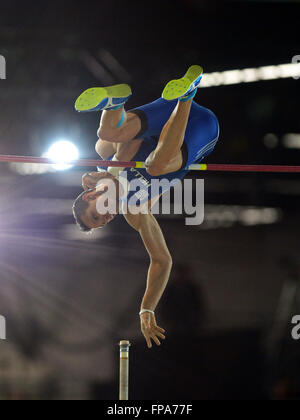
x,y
160,258
158,274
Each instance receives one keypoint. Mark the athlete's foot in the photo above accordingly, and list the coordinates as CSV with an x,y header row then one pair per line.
x,y
185,88
98,99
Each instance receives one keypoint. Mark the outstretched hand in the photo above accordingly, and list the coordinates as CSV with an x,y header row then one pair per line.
x,y
151,330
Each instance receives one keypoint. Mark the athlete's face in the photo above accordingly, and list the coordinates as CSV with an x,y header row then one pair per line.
x,y
97,216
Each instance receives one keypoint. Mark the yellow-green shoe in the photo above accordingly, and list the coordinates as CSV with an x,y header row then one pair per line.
x,y
177,89
97,99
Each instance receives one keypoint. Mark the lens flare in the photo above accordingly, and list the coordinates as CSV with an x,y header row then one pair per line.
x,y
62,152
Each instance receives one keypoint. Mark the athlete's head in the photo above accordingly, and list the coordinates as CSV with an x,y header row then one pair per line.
x,y
96,207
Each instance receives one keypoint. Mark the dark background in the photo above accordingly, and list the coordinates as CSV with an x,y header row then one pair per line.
x,y
69,298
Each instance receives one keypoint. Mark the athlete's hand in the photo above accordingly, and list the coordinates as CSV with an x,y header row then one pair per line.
x,y
151,330
91,179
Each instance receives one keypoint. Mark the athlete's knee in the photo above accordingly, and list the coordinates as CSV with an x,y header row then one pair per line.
x,y
154,170
98,147
99,133
153,167
106,134
157,165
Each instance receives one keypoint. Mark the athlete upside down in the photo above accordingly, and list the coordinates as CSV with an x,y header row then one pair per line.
x,y
169,134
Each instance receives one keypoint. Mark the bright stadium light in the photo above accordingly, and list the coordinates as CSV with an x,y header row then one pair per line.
x,y
62,152
291,141
235,77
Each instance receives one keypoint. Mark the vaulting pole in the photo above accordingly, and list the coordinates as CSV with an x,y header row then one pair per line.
x,y
124,370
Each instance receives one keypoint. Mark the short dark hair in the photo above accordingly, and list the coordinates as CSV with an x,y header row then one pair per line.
x,y
79,208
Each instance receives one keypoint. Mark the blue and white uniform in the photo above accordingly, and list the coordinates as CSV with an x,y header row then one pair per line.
x,y
201,137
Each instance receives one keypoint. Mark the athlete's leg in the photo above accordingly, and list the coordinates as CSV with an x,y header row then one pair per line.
x,y
142,122
109,129
167,157
115,125
172,135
